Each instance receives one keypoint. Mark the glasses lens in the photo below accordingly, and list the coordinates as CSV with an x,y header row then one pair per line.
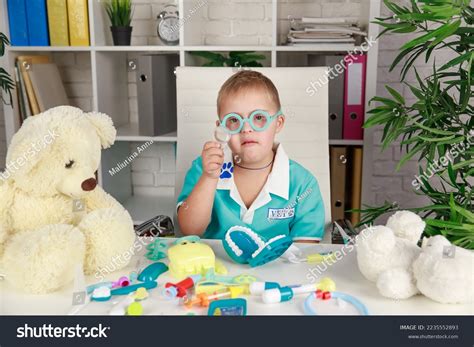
x,y
232,123
259,120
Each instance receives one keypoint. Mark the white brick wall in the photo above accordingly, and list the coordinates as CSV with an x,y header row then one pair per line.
x,y
153,172
388,184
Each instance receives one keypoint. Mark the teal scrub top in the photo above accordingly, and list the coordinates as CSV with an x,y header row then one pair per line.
x,y
290,201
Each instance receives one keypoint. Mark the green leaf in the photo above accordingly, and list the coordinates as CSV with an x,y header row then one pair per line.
x,y
439,32
463,164
432,130
457,61
409,155
395,94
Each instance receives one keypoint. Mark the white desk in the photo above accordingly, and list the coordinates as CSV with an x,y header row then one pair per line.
x,y
344,272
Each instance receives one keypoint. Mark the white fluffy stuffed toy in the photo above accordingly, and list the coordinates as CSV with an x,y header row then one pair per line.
x,y
389,256
53,216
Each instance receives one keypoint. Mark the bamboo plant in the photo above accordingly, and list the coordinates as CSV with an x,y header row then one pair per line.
x,y
6,83
437,128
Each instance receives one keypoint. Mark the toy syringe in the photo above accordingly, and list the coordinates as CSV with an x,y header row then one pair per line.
x,y
286,293
204,299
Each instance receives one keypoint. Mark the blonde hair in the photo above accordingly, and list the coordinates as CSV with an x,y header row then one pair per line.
x,y
244,80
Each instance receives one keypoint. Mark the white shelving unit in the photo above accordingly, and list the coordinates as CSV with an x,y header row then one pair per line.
x,y
110,92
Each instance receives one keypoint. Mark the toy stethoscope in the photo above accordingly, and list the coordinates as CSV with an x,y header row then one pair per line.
x,y
310,311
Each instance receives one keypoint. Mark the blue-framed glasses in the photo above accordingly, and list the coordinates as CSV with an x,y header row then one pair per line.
x,y
259,120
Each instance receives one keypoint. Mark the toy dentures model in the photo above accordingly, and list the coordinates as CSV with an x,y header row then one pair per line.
x,y
245,246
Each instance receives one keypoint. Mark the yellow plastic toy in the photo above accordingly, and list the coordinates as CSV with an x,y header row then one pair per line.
x,y
189,256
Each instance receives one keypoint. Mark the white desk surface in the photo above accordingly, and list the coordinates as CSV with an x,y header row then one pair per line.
x,y
344,272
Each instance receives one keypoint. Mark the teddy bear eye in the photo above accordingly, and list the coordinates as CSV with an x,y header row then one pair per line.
x,y
69,164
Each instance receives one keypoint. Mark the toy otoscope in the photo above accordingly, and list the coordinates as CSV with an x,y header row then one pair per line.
x,y
204,299
180,289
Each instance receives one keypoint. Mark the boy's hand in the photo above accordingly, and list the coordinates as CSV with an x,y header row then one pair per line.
x,y
212,159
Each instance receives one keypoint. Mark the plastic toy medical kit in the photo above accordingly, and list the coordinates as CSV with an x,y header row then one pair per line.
x,y
122,282
286,293
341,297
228,307
295,255
257,288
180,289
244,246
101,294
239,279
130,289
204,300
91,287
140,294
135,309
152,272
189,256
156,250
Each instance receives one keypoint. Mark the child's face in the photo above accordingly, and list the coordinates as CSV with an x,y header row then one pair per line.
x,y
251,146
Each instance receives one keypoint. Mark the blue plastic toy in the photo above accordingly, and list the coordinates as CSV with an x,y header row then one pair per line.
x,y
228,307
245,246
310,311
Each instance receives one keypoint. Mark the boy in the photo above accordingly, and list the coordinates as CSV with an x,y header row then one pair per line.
x,y
251,182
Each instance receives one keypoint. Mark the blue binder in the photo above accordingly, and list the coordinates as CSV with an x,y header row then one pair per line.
x,y
17,22
37,17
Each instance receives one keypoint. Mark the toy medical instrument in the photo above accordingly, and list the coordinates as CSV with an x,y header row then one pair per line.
x,y
135,309
309,310
156,250
152,271
244,246
222,136
257,288
294,255
133,287
189,256
91,287
204,299
101,294
275,295
122,282
228,307
259,120
180,289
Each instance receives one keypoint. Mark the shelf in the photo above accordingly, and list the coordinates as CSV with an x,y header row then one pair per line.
x,y
227,48
49,48
143,208
322,47
156,48
129,132
342,142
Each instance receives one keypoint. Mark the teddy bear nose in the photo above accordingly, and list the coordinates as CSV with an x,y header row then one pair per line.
x,y
89,184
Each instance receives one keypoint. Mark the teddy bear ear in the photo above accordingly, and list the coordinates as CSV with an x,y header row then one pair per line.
x,y
104,128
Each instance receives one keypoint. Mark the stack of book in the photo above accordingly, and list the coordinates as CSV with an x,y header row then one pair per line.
x,y
310,30
48,22
39,85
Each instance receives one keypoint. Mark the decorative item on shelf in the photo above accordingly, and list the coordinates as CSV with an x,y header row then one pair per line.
x,y
120,13
168,25
432,126
189,256
244,246
6,83
238,59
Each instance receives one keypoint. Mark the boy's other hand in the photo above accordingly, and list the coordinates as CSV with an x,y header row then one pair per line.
x,y
212,159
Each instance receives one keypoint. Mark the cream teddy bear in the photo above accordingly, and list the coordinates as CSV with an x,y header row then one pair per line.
x,y
389,256
53,216
385,254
